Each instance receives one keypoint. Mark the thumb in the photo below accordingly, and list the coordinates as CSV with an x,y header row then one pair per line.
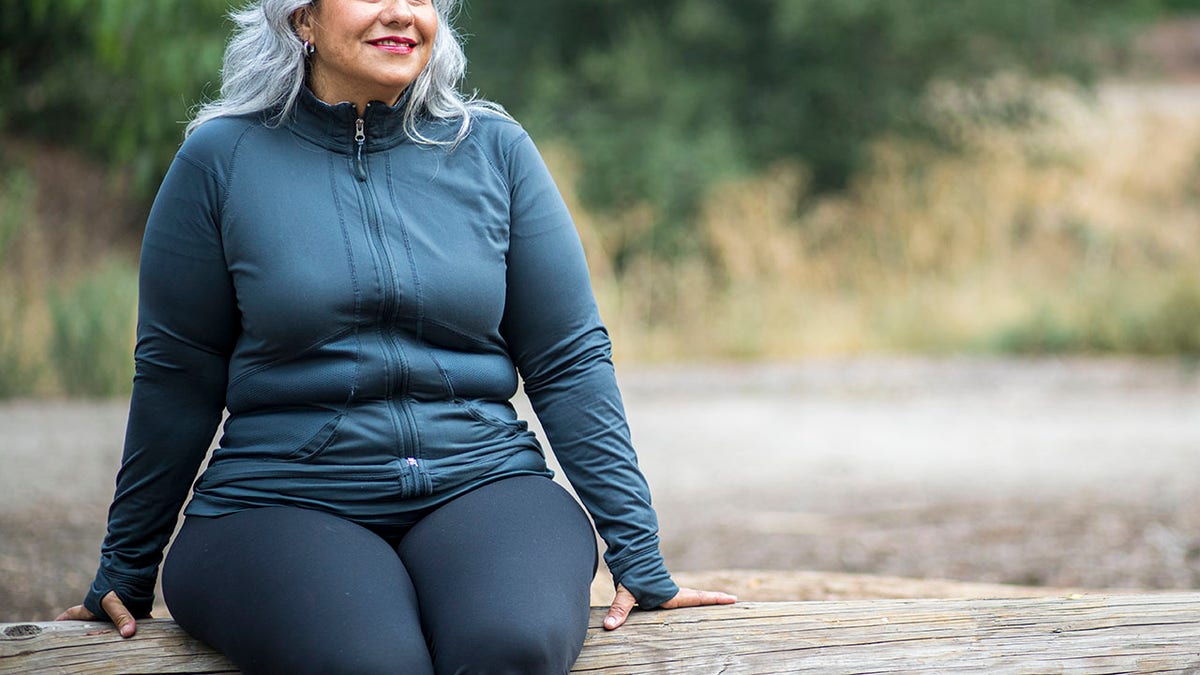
x,y
619,611
121,617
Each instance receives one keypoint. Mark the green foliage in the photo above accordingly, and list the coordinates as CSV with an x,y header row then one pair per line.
x,y
662,99
1181,6
659,98
114,77
93,332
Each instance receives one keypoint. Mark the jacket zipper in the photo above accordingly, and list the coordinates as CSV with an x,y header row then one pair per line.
x,y
360,137
390,306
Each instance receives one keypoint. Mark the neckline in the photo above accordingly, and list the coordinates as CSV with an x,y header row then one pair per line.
x,y
333,126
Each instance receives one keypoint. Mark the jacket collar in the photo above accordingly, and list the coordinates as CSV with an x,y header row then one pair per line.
x,y
333,126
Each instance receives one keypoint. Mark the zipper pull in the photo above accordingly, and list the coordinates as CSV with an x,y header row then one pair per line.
x,y
360,137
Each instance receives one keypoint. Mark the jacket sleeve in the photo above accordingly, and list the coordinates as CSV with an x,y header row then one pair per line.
x,y
562,350
187,325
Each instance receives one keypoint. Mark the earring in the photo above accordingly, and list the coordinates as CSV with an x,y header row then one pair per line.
x,y
309,48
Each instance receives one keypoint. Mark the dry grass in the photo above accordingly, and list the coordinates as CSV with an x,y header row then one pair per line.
x,y
1082,234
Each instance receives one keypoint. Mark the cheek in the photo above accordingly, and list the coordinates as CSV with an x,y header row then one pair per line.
x,y
430,27
432,37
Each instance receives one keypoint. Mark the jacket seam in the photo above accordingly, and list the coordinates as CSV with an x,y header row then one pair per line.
x,y
233,159
218,217
290,357
418,297
487,158
354,284
203,167
507,153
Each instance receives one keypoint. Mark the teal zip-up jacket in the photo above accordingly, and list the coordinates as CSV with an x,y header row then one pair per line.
x,y
362,304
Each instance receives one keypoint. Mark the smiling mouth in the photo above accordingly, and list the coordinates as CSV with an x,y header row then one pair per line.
x,y
395,44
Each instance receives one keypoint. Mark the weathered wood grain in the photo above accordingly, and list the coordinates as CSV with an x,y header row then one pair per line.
x,y
87,648
1073,635
792,585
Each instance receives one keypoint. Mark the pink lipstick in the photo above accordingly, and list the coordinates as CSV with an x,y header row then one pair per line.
x,y
394,44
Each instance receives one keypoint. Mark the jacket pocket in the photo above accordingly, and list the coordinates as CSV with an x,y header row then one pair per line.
x,y
319,441
479,410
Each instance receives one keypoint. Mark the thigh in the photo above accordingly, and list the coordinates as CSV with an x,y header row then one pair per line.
x,y
290,590
503,576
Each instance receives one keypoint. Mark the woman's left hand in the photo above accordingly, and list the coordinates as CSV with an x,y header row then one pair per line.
x,y
686,597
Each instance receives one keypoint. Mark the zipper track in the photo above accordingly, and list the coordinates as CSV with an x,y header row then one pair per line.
x,y
389,306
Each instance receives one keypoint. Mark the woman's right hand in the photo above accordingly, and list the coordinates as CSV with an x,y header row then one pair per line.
x,y
115,609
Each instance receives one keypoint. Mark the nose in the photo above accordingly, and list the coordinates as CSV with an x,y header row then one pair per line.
x,y
397,12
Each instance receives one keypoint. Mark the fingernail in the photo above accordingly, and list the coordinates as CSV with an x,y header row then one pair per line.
x,y
610,622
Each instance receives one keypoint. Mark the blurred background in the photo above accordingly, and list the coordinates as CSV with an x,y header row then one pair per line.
x,y
926,273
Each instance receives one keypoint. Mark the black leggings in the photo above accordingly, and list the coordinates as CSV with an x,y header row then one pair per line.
x,y
495,581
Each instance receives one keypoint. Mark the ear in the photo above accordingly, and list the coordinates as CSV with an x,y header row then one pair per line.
x,y
302,22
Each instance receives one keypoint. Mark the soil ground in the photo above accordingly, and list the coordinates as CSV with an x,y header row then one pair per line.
x,y
1059,473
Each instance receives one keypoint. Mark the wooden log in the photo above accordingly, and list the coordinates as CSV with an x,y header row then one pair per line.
x,y
85,647
1077,634
792,585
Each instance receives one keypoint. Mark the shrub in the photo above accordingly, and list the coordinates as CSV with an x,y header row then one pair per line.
x,y
93,326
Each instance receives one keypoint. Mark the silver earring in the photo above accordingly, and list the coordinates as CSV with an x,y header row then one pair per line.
x,y
309,48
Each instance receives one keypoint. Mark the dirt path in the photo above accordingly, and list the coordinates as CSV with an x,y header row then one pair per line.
x,y
1060,473
1064,473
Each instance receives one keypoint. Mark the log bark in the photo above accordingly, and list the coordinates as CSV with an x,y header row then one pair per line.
x,y
1076,634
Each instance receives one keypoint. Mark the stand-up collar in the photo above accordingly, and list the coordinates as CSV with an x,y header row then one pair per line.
x,y
333,126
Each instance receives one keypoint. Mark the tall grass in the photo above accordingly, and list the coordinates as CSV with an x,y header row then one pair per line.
x,y
17,365
93,325
66,312
1080,235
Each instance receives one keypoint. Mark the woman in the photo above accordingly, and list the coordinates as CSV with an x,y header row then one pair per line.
x,y
356,262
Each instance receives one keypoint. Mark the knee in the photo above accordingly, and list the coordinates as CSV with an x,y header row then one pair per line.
x,y
509,648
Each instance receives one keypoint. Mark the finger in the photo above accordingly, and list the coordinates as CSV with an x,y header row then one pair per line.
x,y
76,613
619,611
695,598
120,616
687,597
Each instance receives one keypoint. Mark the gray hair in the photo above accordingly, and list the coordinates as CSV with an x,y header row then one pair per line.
x,y
264,69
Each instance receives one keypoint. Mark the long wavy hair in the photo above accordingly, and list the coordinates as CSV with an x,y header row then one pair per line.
x,y
264,69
